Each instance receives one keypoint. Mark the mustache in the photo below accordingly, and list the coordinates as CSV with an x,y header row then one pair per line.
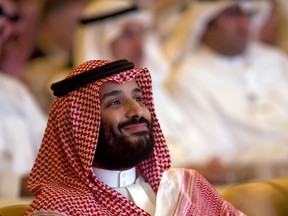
x,y
134,120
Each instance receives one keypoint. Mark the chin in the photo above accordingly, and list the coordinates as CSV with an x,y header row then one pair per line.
x,y
135,140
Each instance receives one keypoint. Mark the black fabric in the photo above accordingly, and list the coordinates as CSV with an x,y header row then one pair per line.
x,y
89,20
70,84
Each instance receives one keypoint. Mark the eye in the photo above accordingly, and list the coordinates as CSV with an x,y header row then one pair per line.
x,y
139,99
114,103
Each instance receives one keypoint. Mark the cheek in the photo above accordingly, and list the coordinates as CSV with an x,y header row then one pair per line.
x,y
110,120
226,27
147,114
120,48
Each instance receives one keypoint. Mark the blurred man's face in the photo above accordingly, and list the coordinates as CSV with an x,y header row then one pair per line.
x,y
129,45
229,32
125,137
8,15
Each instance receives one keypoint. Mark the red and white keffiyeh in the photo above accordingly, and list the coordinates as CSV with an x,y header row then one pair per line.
x,y
62,177
192,195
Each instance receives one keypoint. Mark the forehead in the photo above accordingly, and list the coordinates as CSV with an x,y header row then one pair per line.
x,y
235,10
133,25
232,8
114,86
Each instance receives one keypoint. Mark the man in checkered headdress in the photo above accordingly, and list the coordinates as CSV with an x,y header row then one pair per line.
x,y
103,152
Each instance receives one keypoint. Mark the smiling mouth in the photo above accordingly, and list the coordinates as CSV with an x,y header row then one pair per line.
x,y
136,128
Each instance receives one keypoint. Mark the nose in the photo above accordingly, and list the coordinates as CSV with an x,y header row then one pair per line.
x,y
138,41
245,23
138,49
134,109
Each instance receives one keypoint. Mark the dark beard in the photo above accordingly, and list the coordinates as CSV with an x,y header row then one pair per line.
x,y
116,151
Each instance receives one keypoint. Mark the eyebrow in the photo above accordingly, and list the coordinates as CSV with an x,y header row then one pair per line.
x,y
137,90
110,94
118,92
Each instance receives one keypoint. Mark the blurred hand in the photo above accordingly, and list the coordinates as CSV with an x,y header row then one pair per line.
x,y
215,171
24,190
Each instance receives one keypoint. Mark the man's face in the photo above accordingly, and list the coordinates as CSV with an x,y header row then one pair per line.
x,y
8,15
125,137
129,45
228,33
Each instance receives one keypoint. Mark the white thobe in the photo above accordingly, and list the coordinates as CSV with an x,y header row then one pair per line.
x,y
134,188
239,105
21,129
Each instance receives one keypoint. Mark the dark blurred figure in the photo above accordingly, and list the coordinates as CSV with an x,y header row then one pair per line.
x,y
20,47
21,120
52,58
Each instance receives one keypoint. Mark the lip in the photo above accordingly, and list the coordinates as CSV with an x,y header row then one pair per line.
x,y
134,128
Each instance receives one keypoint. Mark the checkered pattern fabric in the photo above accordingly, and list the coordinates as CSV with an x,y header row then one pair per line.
x,y
62,178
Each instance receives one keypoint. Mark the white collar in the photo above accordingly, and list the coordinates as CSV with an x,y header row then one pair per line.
x,y
240,60
116,178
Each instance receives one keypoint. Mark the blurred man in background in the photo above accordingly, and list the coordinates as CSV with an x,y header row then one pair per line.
x,y
234,90
21,120
112,29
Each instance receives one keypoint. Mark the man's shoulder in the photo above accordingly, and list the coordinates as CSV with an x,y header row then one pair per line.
x,y
10,83
260,49
55,197
13,90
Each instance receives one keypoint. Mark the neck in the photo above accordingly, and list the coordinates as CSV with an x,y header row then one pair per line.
x,y
116,178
